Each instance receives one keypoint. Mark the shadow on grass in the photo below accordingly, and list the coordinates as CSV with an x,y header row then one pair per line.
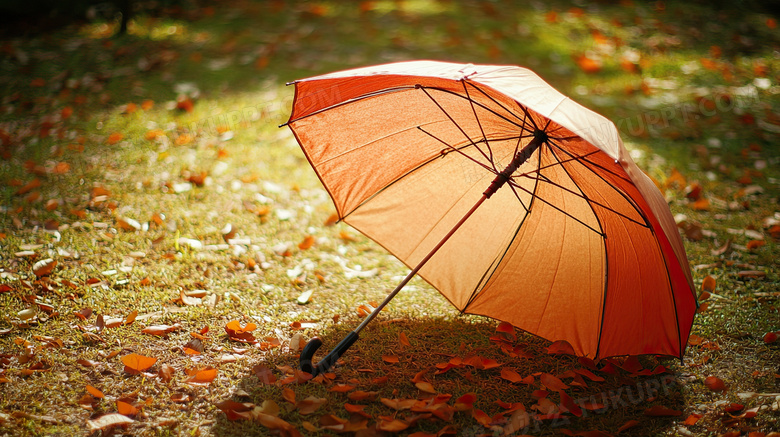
x,y
608,398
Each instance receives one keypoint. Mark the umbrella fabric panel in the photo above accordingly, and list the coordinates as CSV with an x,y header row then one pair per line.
x,y
412,215
354,164
646,281
551,280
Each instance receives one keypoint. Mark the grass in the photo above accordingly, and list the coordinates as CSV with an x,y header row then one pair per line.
x,y
685,85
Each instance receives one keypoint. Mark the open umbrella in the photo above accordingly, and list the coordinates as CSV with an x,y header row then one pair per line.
x,y
512,200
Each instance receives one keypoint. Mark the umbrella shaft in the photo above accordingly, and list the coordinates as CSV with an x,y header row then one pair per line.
x,y
520,157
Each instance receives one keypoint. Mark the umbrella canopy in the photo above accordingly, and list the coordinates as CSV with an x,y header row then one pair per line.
x,y
577,245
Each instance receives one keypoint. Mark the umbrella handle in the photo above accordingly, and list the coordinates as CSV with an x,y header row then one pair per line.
x,y
308,366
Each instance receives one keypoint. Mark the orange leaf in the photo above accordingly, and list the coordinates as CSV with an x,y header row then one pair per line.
x,y
561,347
202,377
137,363
426,387
360,395
702,204
310,404
147,104
755,244
332,219
708,284
628,425
341,388
552,382
481,417
714,383
588,65
391,359
95,392
393,425
510,375
403,339
114,138
44,267
770,337
125,409
307,243
692,419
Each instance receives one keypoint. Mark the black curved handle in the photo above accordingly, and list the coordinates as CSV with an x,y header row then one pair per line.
x,y
307,354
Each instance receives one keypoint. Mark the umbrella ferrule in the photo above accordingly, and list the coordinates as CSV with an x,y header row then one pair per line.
x,y
520,157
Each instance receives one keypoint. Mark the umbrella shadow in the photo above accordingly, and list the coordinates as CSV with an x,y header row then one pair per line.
x,y
394,355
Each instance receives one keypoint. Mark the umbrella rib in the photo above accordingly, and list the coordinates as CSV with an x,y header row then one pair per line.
x,y
458,126
508,120
588,199
476,117
624,195
557,163
525,110
590,162
535,196
455,149
488,273
603,241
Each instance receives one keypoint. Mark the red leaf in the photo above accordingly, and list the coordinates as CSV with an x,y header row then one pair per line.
x,y
481,417
628,425
692,419
568,403
552,382
560,347
714,383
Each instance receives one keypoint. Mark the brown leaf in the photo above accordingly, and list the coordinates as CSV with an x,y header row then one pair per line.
x,y
692,419
264,374
166,373
44,267
403,339
108,421
310,405
341,388
714,383
360,395
628,425
426,387
391,359
561,347
552,382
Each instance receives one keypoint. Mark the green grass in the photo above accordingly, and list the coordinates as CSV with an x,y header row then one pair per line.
x,y
233,62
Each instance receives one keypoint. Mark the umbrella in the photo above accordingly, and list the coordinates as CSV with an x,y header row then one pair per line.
x,y
509,198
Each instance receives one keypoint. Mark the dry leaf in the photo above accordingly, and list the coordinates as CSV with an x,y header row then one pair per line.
x,y
44,267
552,382
310,405
714,383
561,347
135,363
108,421
426,387
203,377
95,392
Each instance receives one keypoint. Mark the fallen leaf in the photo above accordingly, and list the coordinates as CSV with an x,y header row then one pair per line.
x,y
552,382
561,347
114,138
135,363
202,377
307,243
714,383
44,267
126,408
160,329
391,359
770,337
108,421
628,425
310,405
95,392
426,387
692,419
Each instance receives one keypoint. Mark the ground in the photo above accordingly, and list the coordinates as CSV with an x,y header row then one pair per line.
x,y
166,249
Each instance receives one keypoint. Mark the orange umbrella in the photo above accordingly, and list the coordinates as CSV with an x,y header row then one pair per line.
x,y
512,200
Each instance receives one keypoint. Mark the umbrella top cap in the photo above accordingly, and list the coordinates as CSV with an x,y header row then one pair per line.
x,y
540,135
